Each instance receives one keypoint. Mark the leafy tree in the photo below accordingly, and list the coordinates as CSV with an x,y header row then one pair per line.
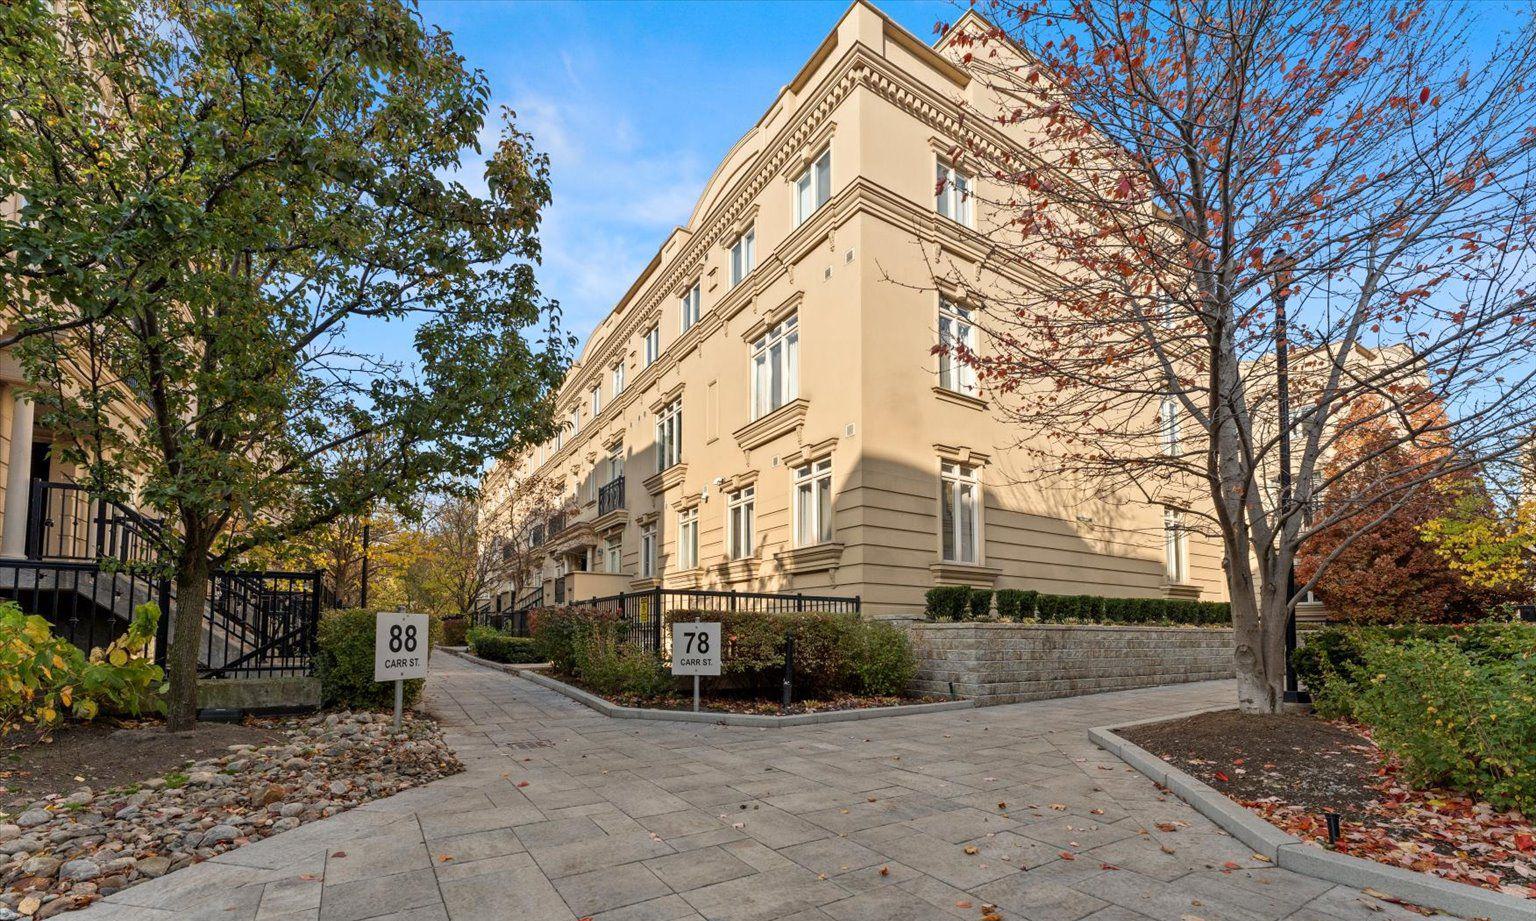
x,y
226,211
1491,547
1207,187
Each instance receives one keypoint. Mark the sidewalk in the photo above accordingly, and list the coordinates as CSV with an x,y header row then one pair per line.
x,y
565,814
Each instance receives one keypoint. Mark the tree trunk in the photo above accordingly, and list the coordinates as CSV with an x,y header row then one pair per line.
x,y
186,636
1249,647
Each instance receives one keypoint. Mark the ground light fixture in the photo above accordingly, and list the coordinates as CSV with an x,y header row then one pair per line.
x,y
1332,819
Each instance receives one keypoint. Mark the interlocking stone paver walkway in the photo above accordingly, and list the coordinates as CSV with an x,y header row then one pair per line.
x,y
565,814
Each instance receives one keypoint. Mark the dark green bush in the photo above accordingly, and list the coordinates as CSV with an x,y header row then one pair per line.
x,y
344,663
980,603
489,643
556,631
947,602
1016,604
883,659
454,629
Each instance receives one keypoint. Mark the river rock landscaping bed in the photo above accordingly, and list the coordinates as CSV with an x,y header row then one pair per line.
x,y
1293,769
64,850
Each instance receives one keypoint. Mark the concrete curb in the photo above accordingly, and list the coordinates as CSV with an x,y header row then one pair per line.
x,y
608,708
1291,853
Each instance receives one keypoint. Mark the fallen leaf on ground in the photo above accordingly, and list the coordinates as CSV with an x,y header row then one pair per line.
x,y
971,849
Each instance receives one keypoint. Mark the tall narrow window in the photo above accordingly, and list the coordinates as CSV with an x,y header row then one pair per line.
x,y
956,336
776,367
952,194
690,307
688,538
740,511
615,461
743,256
813,503
618,378
813,187
1168,423
613,552
669,435
958,517
575,419
1176,546
597,399
652,345
648,551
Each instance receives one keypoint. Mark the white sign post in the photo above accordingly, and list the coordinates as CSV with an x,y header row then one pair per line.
x,y
399,652
695,651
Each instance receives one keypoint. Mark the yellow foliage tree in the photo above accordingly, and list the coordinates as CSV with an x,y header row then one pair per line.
x,y
1491,550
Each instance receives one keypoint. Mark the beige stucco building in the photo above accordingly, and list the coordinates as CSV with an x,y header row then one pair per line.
x,y
763,409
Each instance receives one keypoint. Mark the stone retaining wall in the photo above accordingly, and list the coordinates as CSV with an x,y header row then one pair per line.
x,y
1004,663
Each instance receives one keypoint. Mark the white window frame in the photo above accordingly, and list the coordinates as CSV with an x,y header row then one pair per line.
x,y
956,328
689,307
615,461
813,503
1168,423
669,435
954,194
648,551
813,186
575,419
618,378
688,538
954,480
1175,546
741,512
613,554
652,345
596,394
743,255
775,360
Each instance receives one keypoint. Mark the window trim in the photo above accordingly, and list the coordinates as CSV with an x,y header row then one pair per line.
x,y
688,538
785,333
652,344
596,395
744,261
613,554
689,306
810,476
952,475
648,551
618,377
955,194
741,522
961,375
1175,546
1168,424
817,179
669,435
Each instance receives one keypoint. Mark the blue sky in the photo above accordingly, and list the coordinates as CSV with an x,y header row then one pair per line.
x,y
635,103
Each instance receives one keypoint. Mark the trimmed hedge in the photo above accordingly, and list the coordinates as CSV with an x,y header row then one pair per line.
x,y
455,626
960,602
344,662
489,643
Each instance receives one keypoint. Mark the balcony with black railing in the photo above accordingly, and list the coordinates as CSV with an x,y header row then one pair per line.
x,y
610,496
556,523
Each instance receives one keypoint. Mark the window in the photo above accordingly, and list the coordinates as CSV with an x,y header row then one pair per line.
x,y
1176,546
575,419
615,461
743,257
652,345
648,551
740,508
597,400
1168,423
618,378
813,503
690,307
952,194
813,188
775,367
956,335
959,518
669,435
613,553
688,538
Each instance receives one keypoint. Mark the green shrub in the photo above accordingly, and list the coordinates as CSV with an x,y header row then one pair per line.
x,y
344,662
1016,604
605,662
947,602
883,660
1454,718
980,603
825,647
455,629
556,631
491,644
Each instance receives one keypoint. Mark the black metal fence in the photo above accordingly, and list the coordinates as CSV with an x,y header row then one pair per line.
x,y
87,604
644,612
66,522
610,496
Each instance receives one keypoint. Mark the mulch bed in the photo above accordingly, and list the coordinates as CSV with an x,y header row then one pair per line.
x,y
109,754
741,703
1291,769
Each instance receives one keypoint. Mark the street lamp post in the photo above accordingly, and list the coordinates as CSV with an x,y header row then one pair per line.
x,y
362,592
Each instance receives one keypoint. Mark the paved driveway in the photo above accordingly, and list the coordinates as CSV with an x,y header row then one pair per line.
x,y
565,814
